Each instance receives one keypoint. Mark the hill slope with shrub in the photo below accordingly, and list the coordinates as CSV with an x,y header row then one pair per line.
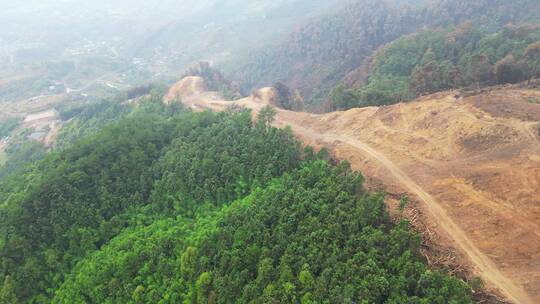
x,y
140,212
438,60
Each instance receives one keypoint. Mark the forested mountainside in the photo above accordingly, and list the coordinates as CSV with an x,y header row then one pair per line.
x,y
437,60
318,56
169,206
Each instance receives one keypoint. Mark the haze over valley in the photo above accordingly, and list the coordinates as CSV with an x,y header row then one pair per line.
x,y
286,151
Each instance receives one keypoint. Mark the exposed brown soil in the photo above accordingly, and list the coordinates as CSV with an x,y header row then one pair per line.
x,y
509,104
188,86
472,165
41,116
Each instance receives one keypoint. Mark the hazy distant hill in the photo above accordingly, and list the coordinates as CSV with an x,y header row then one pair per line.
x,y
317,56
97,46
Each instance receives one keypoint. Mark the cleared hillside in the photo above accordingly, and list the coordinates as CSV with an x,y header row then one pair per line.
x,y
473,165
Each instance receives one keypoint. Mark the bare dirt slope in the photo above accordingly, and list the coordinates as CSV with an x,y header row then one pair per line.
x,y
187,87
473,164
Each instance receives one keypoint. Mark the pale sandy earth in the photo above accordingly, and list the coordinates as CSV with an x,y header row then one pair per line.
x,y
45,115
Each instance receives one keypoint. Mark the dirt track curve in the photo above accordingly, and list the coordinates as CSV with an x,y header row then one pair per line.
x,y
457,157
489,271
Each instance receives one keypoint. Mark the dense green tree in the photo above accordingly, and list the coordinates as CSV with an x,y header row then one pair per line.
x,y
343,98
328,240
20,155
479,70
157,159
89,120
508,70
7,292
8,125
532,54
266,117
284,95
312,236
